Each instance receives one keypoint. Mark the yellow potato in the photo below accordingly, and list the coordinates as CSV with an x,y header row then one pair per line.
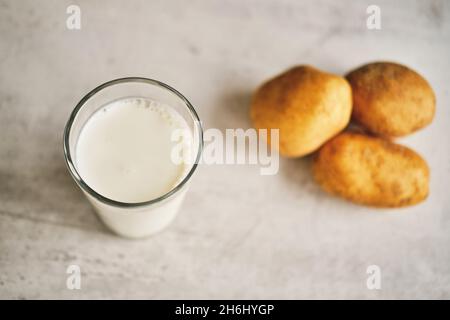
x,y
390,99
307,105
371,171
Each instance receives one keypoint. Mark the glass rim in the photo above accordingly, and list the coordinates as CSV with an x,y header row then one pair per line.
x,y
71,165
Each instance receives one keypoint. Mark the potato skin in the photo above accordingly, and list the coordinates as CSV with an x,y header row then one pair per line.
x,y
390,99
307,105
371,171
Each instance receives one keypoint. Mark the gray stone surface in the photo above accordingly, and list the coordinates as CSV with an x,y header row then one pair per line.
x,y
239,235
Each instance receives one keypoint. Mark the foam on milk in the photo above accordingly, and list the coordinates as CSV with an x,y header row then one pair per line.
x,y
124,150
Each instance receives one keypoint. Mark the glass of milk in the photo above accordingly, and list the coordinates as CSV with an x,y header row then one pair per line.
x,y
132,146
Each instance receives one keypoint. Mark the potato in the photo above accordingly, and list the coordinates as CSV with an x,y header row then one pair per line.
x,y
308,106
390,99
371,171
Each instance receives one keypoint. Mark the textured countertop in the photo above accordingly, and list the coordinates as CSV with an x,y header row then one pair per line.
x,y
239,235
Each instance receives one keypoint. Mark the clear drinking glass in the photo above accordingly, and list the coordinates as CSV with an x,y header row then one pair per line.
x,y
141,219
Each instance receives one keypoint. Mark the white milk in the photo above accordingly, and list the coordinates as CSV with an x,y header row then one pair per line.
x,y
124,153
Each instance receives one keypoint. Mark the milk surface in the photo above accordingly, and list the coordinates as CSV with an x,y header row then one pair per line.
x,y
124,150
